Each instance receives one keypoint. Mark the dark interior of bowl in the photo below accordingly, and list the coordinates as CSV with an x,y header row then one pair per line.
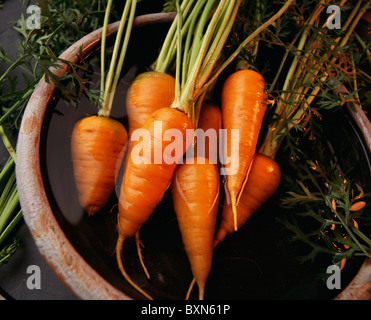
x,y
257,262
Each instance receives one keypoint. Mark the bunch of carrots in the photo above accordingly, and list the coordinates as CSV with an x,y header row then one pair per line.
x,y
173,93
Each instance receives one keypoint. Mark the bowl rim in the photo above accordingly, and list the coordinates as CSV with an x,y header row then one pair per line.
x,y
67,263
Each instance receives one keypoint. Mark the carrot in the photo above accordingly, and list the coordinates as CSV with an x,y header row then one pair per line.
x,y
243,108
195,193
264,179
149,91
210,118
144,183
97,146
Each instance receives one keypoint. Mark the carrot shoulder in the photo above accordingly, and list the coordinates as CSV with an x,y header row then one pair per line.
x,y
243,108
149,92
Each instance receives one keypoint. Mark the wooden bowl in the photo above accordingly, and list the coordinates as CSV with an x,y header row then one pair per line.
x,y
58,248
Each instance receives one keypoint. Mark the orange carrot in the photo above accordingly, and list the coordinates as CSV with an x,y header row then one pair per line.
x,y
149,92
97,146
243,108
145,180
264,179
195,192
210,118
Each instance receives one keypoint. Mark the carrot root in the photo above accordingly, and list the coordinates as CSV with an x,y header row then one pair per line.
x,y
201,292
139,244
234,209
190,288
119,244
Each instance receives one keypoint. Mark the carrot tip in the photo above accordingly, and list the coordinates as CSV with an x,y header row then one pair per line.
x,y
201,292
119,243
139,244
234,209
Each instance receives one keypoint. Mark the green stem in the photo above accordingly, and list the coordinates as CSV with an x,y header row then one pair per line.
x,y
188,96
10,227
25,97
8,250
188,41
362,236
271,144
350,233
12,67
354,23
6,192
168,49
199,35
9,165
248,40
109,88
218,45
179,53
103,46
364,47
257,21
8,202
122,54
7,143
